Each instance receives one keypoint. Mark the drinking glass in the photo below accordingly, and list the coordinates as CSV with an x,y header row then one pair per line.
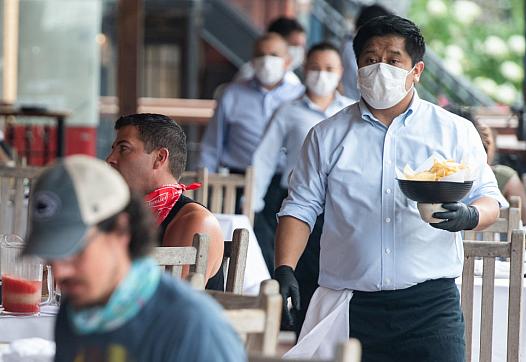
x,y
21,277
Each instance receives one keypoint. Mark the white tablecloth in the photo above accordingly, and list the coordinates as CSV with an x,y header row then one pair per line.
x,y
256,270
42,326
500,319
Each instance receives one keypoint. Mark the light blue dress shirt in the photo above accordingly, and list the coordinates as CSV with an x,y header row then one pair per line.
x,y
373,237
350,71
239,121
286,132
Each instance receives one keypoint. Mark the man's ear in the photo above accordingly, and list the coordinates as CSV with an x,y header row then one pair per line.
x,y
161,158
419,69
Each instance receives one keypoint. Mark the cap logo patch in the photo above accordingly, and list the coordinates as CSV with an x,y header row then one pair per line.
x,y
46,205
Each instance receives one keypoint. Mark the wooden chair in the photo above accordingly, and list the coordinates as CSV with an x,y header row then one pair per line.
x,y
201,194
222,192
173,258
255,318
350,351
489,251
235,261
15,183
508,220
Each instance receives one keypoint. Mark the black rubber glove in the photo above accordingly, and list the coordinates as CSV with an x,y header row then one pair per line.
x,y
459,217
288,287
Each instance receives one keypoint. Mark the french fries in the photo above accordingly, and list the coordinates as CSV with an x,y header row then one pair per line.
x,y
436,172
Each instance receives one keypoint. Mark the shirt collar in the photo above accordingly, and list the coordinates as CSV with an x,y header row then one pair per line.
x,y
254,83
337,101
406,117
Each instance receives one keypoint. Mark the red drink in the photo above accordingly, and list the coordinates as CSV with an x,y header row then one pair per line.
x,y
21,295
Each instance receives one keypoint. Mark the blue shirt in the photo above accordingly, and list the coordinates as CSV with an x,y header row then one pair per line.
x,y
175,324
350,71
286,132
239,122
373,237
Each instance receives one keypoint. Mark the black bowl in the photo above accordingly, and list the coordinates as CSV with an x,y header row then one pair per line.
x,y
434,191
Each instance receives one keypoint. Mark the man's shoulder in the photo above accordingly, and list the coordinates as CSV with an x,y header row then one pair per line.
x,y
176,299
340,120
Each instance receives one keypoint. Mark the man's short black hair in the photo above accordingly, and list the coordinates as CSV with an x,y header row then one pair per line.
x,y
159,131
392,25
141,227
369,12
285,26
323,46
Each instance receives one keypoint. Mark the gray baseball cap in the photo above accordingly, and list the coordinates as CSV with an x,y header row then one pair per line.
x,y
66,200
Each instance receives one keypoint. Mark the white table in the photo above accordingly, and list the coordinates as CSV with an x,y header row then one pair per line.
x,y
500,319
42,326
256,270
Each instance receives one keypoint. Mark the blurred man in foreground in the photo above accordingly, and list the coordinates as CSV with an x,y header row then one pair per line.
x,y
117,304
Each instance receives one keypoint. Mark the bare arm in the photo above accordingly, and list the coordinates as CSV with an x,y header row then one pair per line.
x,y
488,209
194,218
291,239
514,187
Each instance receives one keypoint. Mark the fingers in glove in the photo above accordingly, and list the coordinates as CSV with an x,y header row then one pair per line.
x,y
295,298
445,214
453,206
444,225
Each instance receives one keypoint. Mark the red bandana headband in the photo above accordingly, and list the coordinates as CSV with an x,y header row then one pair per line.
x,y
163,199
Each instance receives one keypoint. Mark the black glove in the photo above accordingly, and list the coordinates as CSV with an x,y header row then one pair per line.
x,y
459,217
288,287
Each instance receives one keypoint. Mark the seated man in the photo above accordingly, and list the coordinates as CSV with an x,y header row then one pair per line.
x,y
245,108
150,153
117,304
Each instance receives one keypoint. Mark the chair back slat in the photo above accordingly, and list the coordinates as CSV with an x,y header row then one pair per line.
x,y
229,202
489,251
515,295
216,202
466,300
486,310
235,256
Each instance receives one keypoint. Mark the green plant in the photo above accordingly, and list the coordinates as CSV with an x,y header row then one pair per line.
x,y
485,45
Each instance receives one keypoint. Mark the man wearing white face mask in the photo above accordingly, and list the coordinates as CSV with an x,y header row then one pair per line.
x,y
287,131
386,276
294,34
243,112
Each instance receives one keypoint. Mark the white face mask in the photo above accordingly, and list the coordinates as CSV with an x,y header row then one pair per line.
x,y
322,83
383,85
269,69
297,55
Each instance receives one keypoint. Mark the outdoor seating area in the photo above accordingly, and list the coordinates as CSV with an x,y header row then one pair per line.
x,y
262,180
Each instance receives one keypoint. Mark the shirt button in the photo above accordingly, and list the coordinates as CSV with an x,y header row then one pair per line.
x,y
387,219
389,162
388,251
387,281
378,286
388,191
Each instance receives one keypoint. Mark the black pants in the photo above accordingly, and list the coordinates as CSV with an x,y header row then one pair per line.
x,y
265,222
422,323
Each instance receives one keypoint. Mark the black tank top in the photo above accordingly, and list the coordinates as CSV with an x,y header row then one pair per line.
x,y
217,282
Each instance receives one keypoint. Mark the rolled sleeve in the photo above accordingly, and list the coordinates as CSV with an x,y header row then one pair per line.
x,y
485,183
307,186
